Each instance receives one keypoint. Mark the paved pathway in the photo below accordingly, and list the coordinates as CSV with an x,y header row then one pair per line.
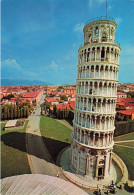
x,y
39,158
124,141
124,146
64,123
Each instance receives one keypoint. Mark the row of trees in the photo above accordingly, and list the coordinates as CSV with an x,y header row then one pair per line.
x,y
21,110
60,114
124,127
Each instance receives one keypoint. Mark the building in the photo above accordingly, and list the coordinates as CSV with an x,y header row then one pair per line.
x,y
51,100
125,109
121,95
34,95
69,90
96,92
51,88
38,184
124,103
125,115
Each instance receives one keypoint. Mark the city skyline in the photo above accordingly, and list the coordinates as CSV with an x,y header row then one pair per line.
x,y
40,39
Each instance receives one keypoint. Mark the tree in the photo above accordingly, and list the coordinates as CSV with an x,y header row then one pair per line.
x,y
64,97
54,109
63,115
25,111
15,111
9,96
48,104
5,112
12,115
21,112
8,113
18,112
34,103
59,88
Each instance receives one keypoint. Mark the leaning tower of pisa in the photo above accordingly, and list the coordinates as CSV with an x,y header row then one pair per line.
x,y
94,115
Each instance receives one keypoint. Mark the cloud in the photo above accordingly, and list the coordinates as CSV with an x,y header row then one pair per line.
x,y
92,3
118,20
11,68
78,27
11,63
53,65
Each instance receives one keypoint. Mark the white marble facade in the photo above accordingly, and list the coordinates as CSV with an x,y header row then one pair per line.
x,y
94,115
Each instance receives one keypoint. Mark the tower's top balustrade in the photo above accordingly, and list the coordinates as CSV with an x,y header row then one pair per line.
x,y
100,29
101,18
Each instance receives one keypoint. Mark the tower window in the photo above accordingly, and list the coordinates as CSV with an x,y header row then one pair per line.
x,y
104,36
96,31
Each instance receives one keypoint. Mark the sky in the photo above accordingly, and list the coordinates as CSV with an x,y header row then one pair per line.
x,y
41,38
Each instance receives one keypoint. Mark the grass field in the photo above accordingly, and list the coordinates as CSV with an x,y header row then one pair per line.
x,y
126,153
55,135
13,152
55,138
129,136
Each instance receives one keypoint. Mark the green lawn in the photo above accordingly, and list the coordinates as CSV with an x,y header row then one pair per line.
x,y
52,128
129,136
127,155
13,152
55,135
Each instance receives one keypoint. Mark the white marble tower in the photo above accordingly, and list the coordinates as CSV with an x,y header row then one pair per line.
x,y
94,115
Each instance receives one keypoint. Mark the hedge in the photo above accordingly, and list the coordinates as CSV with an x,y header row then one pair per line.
x,y
124,127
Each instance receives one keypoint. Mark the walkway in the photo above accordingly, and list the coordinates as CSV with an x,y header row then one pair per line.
x,y
124,146
39,158
65,124
120,143
132,140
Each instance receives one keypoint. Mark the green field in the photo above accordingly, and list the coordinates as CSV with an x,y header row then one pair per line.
x,y
55,138
129,136
55,135
126,154
13,152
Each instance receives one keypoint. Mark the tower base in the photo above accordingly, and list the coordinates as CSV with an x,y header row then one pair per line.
x,y
84,181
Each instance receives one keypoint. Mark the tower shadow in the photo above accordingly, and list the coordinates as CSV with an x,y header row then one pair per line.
x,y
17,140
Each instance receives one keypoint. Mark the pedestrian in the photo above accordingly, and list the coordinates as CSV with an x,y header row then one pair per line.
x,y
58,174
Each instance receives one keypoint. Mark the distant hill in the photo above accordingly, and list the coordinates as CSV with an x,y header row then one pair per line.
x,y
11,82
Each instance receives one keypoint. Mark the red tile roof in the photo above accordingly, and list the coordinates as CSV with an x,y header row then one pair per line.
x,y
49,99
125,102
63,106
121,93
2,103
33,94
127,112
72,104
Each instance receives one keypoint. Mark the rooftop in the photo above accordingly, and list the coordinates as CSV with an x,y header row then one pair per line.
x,y
38,184
49,99
11,123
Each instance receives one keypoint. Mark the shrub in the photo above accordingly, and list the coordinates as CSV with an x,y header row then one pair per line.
x,y
124,127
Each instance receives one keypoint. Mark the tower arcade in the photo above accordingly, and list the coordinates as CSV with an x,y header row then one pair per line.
x,y
94,115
